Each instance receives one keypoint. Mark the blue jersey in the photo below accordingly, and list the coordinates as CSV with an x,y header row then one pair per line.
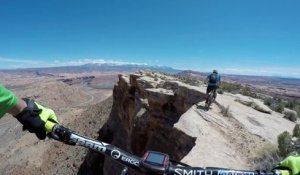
x,y
214,84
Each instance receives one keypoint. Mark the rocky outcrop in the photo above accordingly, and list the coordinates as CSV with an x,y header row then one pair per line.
x,y
154,112
142,118
253,103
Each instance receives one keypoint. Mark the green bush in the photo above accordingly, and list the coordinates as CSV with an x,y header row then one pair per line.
x,y
247,92
267,157
296,131
278,107
294,105
297,109
149,74
284,140
290,115
189,80
220,91
268,101
163,77
230,87
291,104
278,100
276,104
226,111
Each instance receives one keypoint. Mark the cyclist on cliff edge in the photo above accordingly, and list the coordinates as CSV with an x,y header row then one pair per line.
x,y
34,116
214,81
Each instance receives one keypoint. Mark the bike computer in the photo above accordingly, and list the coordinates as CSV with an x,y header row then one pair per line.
x,y
153,161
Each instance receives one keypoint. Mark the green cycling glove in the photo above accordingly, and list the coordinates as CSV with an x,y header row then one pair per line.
x,y
292,164
47,115
35,119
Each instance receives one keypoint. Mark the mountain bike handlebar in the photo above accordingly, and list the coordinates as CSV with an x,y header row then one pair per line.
x,y
68,136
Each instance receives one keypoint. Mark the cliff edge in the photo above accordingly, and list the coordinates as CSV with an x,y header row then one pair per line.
x,y
152,111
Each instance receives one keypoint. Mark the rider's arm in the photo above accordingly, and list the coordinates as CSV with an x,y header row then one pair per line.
x,y
219,80
21,104
9,103
32,115
207,79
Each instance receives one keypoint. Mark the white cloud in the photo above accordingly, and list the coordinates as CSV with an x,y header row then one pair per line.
x,y
12,60
95,61
14,63
21,63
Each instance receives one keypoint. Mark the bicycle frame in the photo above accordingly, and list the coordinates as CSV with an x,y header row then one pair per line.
x,y
211,97
67,136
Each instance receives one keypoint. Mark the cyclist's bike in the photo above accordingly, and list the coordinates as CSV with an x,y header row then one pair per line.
x,y
210,98
152,163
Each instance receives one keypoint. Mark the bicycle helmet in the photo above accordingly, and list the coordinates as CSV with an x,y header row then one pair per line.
x,y
215,71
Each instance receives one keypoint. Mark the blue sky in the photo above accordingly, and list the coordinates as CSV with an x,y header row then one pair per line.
x,y
260,37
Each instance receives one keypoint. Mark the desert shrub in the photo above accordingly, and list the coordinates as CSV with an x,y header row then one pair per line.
x,y
220,91
278,100
284,140
149,74
231,87
297,109
295,148
247,92
276,104
268,101
287,144
155,76
189,80
291,104
163,77
296,131
278,107
267,157
290,115
237,88
152,75
226,111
